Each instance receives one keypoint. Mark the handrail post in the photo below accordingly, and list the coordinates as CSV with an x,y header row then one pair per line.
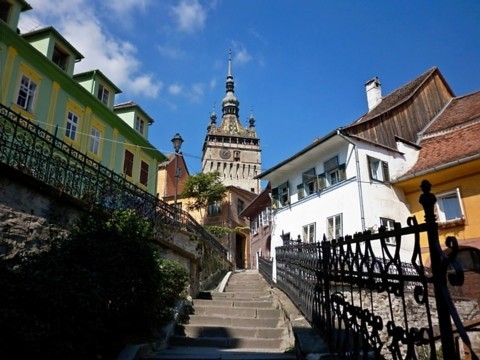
x,y
439,270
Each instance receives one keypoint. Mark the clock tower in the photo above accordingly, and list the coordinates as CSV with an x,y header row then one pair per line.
x,y
230,148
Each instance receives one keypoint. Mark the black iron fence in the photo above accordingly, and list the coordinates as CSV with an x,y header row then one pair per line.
x,y
368,303
265,267
34,151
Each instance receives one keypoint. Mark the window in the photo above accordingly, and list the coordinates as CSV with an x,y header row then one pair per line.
x,y
378,169
449,206
60,58
388,224
103,94
5,7
139,125
26,93
214,209
334,227
72,126
236,155
128,163
264,217
309,233
308,185
240,206
334,173
281,195
143,173
95,136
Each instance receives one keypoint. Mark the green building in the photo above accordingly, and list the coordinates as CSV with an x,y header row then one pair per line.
x,y
38,82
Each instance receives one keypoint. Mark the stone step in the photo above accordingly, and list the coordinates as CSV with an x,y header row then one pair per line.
x,y
241,295
227,332
195,353
226,342
237,312
267,303
206,320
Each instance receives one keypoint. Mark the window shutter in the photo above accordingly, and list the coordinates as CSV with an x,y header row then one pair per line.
x,y
300,191
322,183
369,161
386,173
341,172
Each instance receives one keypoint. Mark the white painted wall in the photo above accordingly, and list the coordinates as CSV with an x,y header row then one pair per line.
x,y
378,199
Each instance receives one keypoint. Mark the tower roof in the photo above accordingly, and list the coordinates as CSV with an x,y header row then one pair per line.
x,y
230,103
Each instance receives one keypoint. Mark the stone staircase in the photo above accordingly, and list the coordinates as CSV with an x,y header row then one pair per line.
x,y
243,322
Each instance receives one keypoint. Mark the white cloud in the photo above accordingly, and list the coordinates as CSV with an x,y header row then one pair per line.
x,y
190,15
242,56
175,89
77,21
122,8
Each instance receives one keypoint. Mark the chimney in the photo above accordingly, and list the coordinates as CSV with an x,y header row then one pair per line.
x,y
374,92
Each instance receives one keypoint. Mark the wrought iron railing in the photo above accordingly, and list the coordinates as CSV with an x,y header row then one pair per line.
x,y
368,303
27,147
265,267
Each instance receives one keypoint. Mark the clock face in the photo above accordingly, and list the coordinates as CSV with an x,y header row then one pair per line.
x,y
225,153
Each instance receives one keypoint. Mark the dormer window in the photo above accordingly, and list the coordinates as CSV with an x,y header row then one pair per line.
x,y
5,7
103,94
60,57
139,125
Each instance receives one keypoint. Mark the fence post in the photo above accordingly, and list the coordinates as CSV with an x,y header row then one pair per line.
x,y
439,271
324,279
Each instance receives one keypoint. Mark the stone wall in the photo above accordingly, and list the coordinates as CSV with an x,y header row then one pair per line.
x,y
32,215
387,305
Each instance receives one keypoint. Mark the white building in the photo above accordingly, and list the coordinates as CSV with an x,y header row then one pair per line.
x,y
340,184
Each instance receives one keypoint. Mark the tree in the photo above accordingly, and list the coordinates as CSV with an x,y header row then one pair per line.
x,y
91,294
205,189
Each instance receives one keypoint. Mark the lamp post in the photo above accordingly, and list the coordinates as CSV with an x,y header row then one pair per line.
x,y
177,142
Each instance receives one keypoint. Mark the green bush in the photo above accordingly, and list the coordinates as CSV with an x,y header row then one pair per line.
x,y
103,288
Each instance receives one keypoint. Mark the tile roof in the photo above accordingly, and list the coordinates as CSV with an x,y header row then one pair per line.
x,y
453,136
461,110
396,97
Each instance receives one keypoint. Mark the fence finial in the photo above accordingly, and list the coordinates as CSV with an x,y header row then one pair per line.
x,y
428,200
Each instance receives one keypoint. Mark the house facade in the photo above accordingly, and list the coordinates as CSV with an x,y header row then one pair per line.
x,y
38,82
342,183
259,213
449,157
228,214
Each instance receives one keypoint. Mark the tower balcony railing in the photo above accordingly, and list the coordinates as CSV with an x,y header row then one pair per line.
x,y
32,150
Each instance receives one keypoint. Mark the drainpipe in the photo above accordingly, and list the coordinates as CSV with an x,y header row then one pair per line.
x,y
359,180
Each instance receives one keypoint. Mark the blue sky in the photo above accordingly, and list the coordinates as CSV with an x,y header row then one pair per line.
x,y
299,65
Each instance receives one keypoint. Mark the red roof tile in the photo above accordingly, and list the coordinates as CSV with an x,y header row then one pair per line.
x,y
448,146
460,111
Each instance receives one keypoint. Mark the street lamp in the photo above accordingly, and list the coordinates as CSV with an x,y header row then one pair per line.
x,y
177,142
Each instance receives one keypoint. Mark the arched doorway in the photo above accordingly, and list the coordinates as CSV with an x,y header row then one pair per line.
x,y
240,251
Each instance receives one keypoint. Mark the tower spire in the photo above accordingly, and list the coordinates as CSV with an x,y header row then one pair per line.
x,y
230,103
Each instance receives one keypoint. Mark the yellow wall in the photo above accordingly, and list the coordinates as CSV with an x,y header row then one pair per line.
x,y
466,177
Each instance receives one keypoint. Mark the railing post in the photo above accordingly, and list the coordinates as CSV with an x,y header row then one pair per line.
x,y
439,271
323,279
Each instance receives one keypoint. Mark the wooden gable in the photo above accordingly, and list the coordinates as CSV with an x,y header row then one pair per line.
x,y
404,112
